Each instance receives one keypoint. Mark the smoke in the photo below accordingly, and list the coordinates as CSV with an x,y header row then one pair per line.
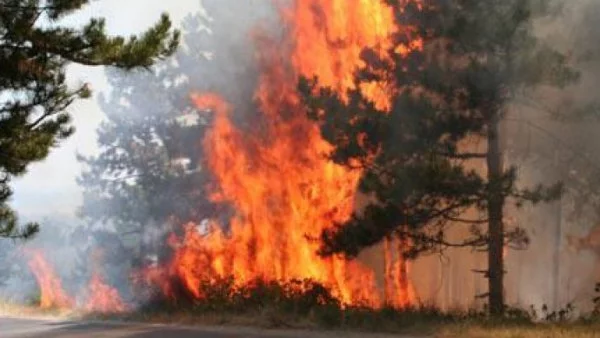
x,y
17,282
153,127
553,141
550,136
151,138
117,230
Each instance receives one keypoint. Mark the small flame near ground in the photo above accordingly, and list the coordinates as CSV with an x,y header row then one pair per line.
x,y
52,294
103,298
100,297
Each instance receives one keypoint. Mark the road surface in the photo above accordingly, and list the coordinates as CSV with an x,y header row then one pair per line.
x,y
39,328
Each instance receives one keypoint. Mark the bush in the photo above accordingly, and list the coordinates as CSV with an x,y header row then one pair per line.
x,y
308,304
296,297
294,303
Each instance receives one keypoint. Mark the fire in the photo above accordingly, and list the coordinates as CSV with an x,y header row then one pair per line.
x,y
397,287
52,294
100,296
275,174
103,298
331,34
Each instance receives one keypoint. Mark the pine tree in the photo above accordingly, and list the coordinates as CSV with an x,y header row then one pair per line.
x,y
418,166
148,174
34,53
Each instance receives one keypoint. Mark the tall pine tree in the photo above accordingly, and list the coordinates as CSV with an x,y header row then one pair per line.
x,y
34,52
421,170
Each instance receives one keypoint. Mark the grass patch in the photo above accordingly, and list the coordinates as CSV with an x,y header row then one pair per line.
x,y
11,309
306,305
309,305
482,330
283,305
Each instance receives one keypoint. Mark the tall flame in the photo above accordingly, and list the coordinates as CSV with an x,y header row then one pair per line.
x,y
330,36
275,174
52,294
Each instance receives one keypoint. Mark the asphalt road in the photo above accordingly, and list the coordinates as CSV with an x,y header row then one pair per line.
x,y
37,328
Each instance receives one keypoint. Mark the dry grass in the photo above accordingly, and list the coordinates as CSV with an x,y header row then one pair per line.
x,y
409,324
304,305
424,327
526,331
10,309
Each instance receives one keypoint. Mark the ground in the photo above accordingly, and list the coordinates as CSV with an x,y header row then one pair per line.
x,y
12,327
49,328
31,322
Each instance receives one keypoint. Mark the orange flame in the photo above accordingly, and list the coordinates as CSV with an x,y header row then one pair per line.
x,y
100,296
52,294
398,290
103,298
330,36
276,174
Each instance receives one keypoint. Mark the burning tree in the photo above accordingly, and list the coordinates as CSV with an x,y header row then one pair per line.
x,y
420,151
32,80
267,166
150,175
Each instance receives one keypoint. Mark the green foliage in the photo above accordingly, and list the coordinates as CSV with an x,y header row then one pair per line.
x,y
418,158
295,303
9,227
34,53
137,180
478,57
296,296
307,304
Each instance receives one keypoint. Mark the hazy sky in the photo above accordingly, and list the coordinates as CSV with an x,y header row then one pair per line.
x,y
49,187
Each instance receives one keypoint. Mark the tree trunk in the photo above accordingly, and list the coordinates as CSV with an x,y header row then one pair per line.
x,y
495,219
557,246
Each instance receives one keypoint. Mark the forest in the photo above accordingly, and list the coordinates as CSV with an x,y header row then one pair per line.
x,y
420,167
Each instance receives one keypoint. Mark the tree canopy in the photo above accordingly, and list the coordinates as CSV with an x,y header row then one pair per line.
x,y
35,50
435,158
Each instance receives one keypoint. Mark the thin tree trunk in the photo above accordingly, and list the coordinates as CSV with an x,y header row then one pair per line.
x,y
558,235
495,215
557,246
